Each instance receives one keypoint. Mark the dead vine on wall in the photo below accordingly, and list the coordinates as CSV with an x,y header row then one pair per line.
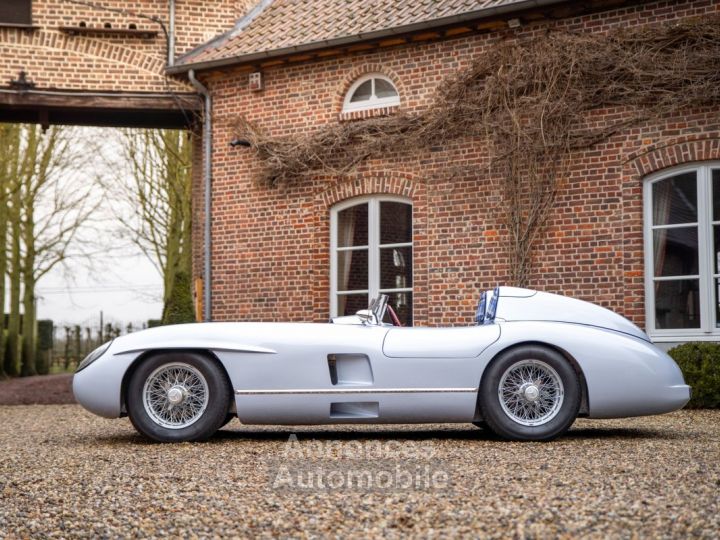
x,y
532,100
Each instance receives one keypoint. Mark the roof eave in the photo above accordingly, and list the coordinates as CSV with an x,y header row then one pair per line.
x,y
357,38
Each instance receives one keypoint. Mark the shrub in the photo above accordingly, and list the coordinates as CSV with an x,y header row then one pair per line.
x,y
700,364
45,339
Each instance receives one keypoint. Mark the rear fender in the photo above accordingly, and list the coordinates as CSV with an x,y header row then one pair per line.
x,y
625,376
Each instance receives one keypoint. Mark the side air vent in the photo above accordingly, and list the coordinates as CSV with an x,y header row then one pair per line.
x,y
349,410
350,370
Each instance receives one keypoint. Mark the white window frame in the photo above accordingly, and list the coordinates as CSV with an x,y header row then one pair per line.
x,y
708,330
373,202
374,102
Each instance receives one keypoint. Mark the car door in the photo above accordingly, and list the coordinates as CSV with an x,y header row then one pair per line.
x,y
432,374
314,373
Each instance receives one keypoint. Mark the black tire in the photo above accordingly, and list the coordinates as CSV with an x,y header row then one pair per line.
x,y
561,410
203,423
482,424
228,418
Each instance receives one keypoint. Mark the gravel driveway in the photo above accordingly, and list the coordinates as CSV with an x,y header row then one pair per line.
x,y
66,473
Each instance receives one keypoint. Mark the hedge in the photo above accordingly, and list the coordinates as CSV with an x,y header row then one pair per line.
x,y
700,364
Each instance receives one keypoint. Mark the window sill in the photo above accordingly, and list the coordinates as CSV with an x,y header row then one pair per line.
x,y
110,32
368,113
26,27
664,338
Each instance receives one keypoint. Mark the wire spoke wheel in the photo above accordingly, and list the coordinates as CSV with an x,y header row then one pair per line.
x,y
531,392
175,395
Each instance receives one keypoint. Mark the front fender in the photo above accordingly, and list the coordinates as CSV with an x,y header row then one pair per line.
x,y
98,387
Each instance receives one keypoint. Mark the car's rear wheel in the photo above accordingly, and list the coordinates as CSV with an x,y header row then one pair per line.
x,y
530,393
179,396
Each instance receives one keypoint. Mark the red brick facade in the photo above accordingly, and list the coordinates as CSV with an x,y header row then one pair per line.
x,y
271,246
271,253
53,57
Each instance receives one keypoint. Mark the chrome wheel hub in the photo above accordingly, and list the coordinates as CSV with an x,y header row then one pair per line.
x,y
531,392
176,395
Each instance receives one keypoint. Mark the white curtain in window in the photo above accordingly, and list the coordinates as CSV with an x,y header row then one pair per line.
x,y
346,234
661,213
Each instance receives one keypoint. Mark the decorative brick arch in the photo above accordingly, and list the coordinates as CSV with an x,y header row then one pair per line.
x,y
352,76
673,152
376,183
409,186
651,158
149,68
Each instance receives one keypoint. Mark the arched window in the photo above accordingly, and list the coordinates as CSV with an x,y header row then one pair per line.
x,y
371,253
682,252
371,92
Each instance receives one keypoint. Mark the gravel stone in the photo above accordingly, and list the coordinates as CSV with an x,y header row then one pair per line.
x,y
65,473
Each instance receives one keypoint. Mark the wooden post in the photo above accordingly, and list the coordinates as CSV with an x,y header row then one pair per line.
x,y
198,299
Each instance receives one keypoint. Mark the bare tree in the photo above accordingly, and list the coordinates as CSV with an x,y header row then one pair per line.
x,y
158,194
56,205
47,207
12,168
4,218
9,140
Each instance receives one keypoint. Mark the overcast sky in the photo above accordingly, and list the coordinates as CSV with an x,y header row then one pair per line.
x,y
129,291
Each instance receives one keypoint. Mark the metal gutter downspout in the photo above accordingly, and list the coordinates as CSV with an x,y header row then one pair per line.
x,y
207,178
171,36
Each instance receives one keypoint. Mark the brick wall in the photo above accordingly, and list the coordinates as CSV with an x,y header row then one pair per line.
x,y
107,62
270,254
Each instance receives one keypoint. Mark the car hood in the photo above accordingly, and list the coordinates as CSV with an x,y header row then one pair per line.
x,y
251,337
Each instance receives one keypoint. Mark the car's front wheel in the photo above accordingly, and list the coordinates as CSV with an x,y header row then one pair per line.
x,y
530,393
179,396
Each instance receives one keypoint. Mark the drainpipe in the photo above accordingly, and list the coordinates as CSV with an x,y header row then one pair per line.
x,y
171,35
207,176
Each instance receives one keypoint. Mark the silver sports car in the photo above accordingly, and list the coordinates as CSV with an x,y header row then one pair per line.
x,y
532,364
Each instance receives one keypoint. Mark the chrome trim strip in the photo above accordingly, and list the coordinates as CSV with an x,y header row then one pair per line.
x,y
198,345
356,391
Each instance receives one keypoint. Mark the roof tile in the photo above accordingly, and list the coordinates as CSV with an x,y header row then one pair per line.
x,y
291,23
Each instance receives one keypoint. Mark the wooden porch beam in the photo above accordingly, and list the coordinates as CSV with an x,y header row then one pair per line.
x,y
99,100
99,109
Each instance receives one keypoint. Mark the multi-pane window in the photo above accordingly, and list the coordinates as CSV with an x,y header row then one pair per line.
x,y
372,253
370,92
682,246
15,12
